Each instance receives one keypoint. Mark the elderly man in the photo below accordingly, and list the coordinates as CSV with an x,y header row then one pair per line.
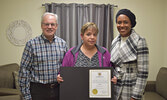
x,y
41,60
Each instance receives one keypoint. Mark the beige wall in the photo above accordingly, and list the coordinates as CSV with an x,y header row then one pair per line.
x,y
151,24
165,36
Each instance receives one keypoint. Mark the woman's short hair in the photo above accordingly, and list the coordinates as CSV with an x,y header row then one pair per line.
x,y
89,25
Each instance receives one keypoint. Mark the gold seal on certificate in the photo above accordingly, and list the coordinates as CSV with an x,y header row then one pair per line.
x,y
94,91
99,83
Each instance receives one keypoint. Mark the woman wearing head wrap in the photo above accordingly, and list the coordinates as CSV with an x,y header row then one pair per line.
x,y
129,56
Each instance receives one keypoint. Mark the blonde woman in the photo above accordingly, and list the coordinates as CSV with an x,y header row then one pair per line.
x,y
87,54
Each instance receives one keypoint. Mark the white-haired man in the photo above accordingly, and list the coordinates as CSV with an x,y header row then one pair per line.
x,y
41,60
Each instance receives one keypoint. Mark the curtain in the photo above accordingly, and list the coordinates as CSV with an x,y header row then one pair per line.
x,y
73,16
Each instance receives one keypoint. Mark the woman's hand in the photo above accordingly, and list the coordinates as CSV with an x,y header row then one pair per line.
x,y
132,98
59,78
114,80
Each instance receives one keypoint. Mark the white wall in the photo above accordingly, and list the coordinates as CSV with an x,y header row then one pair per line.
x,y
151,24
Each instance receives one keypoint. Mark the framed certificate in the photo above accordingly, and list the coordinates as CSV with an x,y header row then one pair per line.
x,y
76,84
100,83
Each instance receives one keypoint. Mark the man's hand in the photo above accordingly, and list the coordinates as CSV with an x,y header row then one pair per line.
x,y
59,78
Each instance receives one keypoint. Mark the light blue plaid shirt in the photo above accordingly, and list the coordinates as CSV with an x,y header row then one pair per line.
x,y
40,62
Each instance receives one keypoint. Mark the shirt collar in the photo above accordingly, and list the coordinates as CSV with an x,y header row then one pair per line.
x,y
77,48
45,39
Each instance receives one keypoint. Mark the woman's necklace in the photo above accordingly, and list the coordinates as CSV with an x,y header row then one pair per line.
x,y
89,52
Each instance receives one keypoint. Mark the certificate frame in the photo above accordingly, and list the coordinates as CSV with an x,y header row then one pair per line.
x,y
100,83
76,83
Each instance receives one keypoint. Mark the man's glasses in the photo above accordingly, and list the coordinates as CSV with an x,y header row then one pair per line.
x,y
52,24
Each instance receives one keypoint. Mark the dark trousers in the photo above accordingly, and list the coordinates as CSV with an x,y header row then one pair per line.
x,y
44,91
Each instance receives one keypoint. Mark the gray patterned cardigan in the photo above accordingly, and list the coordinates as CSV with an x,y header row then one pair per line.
x,y
131,66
